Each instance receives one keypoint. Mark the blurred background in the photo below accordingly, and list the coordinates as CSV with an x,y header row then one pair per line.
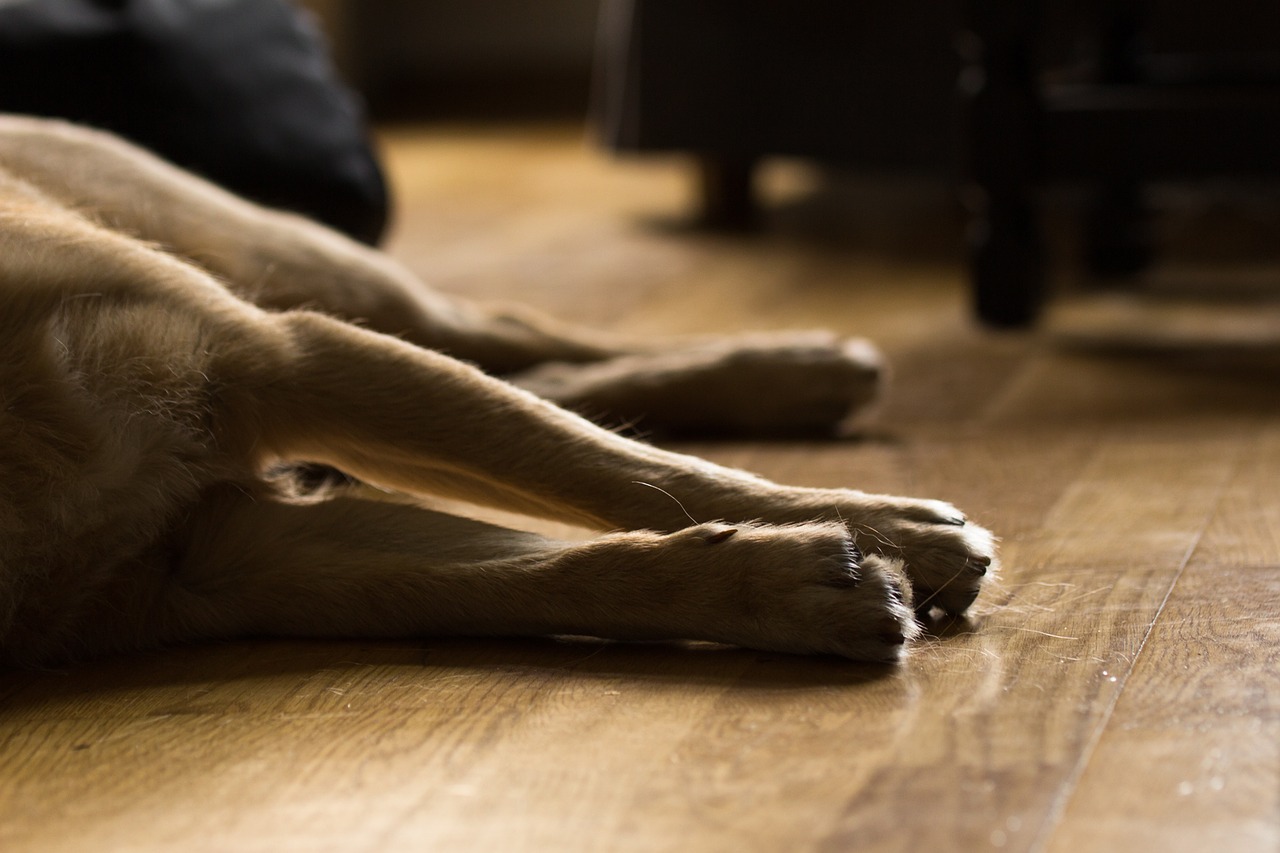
x,y
1066,130
1037,146
438,59
885,72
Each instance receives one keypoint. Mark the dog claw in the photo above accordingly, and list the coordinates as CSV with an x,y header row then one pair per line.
x,y
721,536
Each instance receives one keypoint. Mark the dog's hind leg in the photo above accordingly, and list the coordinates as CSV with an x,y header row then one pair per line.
x,y
786,382
783,383
282,262
354,568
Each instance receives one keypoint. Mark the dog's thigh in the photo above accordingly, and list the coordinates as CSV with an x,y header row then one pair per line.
x,y
354,568
276,260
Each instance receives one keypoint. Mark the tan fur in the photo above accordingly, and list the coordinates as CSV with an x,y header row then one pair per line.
x,y
164,345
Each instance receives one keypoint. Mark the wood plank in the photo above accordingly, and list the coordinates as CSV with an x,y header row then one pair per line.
x,y
408,734
1079,594
1190,760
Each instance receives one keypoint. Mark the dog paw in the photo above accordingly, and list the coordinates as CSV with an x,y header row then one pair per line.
x,y
798,381
806,589
776,383
946,556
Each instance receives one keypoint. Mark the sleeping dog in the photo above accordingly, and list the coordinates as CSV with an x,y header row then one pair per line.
x,y
168,350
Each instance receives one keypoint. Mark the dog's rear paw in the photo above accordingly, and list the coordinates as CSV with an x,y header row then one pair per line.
x,y
776,383
795,382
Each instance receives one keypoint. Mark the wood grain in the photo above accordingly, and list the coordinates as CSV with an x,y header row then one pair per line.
x,y
1190,760
1116,687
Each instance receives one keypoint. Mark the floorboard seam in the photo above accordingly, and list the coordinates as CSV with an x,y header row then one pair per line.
x,y
1058,806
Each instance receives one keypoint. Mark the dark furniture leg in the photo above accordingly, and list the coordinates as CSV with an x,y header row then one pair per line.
x,y
727,190
1004,113
1117,233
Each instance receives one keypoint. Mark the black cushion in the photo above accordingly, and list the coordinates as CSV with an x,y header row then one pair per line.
x,y
239,91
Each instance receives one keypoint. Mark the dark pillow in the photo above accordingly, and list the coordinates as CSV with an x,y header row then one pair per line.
x,y
239,91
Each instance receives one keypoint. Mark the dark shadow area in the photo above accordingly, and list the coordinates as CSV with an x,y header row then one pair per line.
x,y
182,680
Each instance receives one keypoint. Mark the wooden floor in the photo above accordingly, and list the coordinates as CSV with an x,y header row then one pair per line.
x,y
1118,688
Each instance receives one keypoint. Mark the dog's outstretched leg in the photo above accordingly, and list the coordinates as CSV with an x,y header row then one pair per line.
x,y
781,383
348,567
417,421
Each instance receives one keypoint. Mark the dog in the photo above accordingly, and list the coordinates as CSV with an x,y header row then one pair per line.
x,y
169,352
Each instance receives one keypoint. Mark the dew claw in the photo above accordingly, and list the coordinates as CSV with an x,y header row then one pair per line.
x,y
720,536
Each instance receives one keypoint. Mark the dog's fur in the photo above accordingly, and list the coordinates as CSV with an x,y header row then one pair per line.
x,y
165,347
